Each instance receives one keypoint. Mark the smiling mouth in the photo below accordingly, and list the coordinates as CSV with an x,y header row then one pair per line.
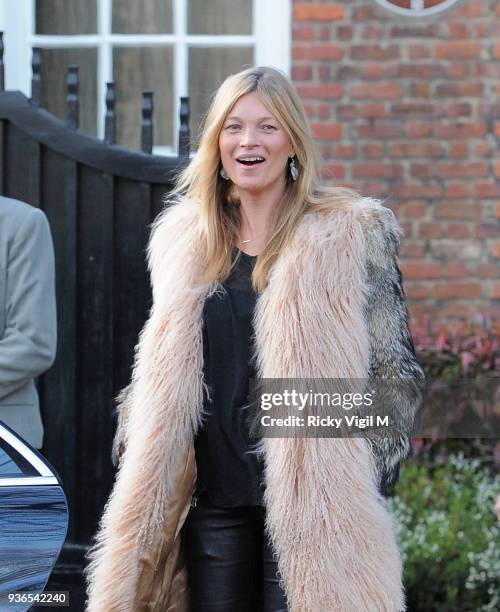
x,y
245,162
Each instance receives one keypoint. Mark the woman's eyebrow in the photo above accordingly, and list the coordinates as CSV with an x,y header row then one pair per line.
x,y
260,119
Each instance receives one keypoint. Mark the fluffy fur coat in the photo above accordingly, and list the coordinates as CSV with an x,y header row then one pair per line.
x,y
334,307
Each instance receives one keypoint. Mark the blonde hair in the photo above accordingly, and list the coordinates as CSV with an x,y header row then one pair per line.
x,y
218,200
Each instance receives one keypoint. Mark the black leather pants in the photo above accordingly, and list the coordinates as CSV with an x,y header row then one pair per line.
x,y
229,561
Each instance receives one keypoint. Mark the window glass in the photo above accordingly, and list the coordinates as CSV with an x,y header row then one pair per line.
x,y
220,17
12,464
144,17
55,64
223,61
138,69
65,16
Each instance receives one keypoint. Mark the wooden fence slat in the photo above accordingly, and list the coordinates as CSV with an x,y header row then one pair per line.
x,y
95,344
21,166
58,388
132,294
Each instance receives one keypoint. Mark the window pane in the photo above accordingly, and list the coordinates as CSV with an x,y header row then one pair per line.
x,y
220,17
202,82
135,70
66,17
54,70
12,464
146,17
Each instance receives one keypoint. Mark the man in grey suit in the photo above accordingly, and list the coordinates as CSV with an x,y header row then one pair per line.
x,y
28,326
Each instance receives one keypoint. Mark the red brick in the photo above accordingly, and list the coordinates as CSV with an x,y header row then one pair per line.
x,y
483,231
486,270
496,169
420,89
457,50
457,29
416,149
320,91
458,150
496,51
324,111
302,73
483,149
417,189
495,248
327,131
470,169
412,248
374,52
377,170
331,170
371,30
460,130
415,129
383,90
455,270
457,70
458,231
472,9
379,130
464,89
417,292
459,109
417,52
303,32
430,230
420,269
373,150
344,32
345,151
444,291
324,72
377,109
457,210
457,190
497,210
414,210
347,111
305,11
495,291
317,52
324,33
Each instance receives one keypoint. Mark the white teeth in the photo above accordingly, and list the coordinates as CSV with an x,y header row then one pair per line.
x,y
250,158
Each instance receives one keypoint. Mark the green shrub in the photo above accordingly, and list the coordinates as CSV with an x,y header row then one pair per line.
x,y
449,535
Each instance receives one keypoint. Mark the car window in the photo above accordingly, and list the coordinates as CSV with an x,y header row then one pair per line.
x,y
12,463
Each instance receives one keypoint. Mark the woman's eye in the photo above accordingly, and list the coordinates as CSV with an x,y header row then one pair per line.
x,y
270,127
230,127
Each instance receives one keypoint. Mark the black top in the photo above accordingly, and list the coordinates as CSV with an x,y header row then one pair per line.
x,y
231,475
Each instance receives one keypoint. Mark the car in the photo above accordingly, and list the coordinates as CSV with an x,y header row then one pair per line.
x,y
33,523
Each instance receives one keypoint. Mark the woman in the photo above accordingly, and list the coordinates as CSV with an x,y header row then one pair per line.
x,y
310,532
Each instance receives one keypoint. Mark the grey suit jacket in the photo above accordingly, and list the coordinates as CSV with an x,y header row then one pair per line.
x,y
28,326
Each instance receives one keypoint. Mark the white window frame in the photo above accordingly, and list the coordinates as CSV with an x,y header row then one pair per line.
x,y
271,40
417,7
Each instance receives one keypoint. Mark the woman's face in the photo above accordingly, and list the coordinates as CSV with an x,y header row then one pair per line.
x,y
250,130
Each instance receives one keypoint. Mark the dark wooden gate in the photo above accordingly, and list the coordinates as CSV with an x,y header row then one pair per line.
x,y
100,200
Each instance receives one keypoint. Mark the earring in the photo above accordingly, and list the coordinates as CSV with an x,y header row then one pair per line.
x,y
223,173
293,168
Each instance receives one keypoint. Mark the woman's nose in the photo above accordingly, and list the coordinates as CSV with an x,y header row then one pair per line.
x,y
248,136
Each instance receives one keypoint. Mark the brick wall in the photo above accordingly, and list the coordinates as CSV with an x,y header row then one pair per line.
x,y
409,109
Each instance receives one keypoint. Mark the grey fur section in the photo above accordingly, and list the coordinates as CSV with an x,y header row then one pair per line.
x,y
392,351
